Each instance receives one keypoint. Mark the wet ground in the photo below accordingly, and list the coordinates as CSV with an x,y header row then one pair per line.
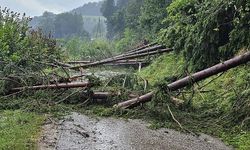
x,y
79,132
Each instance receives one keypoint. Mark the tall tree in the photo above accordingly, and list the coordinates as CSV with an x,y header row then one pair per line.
x,y
152,14
207,31
108,9
46,24
67,24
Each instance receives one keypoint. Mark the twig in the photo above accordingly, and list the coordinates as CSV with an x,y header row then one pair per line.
x,y
211,80
172,115
6,96
73,93
246,119
124,82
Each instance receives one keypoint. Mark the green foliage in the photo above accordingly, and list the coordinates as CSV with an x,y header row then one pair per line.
x,y
68,25
123,15
206,30
24,53
165,66
78,49
128,41
19,130
47,23
107,9
13,29
152,14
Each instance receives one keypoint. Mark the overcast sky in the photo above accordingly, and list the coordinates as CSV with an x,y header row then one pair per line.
x,y
37,7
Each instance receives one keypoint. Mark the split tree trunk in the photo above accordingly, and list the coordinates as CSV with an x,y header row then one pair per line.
x,y
234,62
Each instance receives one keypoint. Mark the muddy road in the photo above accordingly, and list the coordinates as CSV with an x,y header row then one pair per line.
x,y
79,132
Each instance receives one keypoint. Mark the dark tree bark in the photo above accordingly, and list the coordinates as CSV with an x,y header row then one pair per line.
x,y
189,80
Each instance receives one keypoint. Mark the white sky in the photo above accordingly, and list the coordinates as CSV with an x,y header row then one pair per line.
x,y
37,7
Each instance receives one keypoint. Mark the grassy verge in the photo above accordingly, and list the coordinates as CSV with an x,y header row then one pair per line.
x,y
19,130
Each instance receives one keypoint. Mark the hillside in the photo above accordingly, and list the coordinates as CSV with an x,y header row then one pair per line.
x,y
89,9
93,21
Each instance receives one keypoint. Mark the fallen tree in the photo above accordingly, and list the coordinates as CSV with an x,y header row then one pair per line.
x,y
106,61
189,80
149,49
53,86
140,48
120,61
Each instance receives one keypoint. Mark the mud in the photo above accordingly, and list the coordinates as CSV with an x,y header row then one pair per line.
x,y
79,132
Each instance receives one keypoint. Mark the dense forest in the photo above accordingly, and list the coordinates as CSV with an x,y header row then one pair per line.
x,y
193,34
85,22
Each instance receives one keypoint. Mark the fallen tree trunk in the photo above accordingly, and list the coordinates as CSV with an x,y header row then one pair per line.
x,y
62,64
140,48
121,61
79,62
53,86
106,61
149,49
132,64
189,80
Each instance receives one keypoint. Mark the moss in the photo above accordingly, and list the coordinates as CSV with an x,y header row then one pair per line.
x,y
19,130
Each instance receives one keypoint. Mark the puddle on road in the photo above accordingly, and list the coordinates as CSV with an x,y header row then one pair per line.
x,y
78,132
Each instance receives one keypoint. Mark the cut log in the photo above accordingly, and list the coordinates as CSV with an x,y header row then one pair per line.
x,y
53,86
102,95
106,61
189,80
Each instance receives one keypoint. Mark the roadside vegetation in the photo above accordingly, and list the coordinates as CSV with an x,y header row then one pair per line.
x,y
202,34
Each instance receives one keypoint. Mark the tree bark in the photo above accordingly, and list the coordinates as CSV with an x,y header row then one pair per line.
x,y
53,86
189,80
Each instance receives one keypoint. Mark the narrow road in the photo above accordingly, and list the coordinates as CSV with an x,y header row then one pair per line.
x,y
79,132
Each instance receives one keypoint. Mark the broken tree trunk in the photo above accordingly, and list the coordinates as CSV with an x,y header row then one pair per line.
x,y
234,62
53,86
106,61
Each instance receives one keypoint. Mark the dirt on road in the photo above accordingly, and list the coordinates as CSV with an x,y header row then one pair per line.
x,y
80,132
